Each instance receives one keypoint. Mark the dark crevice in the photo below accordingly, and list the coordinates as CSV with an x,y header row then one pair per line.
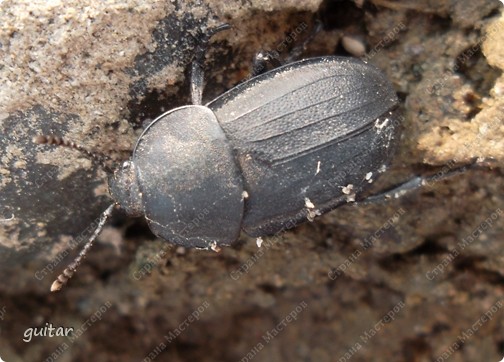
x,y
473,66
493,14
147,103
268,288
471,264
428,247
155,103
393,262
440,327
439,25
138,228
500,346
396,261
465,263
338,14
414,348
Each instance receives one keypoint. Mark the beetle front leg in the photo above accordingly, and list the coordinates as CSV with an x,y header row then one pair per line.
x,y
263,58
299,49
197,72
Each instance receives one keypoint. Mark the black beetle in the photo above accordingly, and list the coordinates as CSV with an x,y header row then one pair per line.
x,y
261,153
276,149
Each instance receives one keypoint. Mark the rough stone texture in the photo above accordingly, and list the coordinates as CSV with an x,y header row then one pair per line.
x,y
93,72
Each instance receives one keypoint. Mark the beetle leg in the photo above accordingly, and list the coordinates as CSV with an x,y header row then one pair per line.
x,y
261,60
416,182
197,73
298,49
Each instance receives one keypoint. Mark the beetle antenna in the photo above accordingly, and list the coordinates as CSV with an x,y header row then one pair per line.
x,y
69,271
99,158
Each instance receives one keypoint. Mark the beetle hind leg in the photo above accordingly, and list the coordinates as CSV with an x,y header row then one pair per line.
x,y
417,182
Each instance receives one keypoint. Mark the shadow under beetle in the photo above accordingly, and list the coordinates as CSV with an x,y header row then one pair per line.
x,y
278,149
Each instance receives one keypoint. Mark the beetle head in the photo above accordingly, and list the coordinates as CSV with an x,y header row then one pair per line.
x,y
123,188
